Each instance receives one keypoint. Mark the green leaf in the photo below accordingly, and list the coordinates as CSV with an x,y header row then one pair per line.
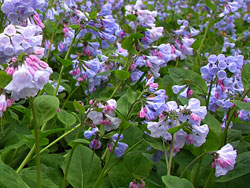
x,y
131,95
122,74
123,105
183,76
64,62
210,5
213,124
241,168
155,143
46,107
174,130
9,178
93,14
91,27
74,26
127,43
242,105
131,17
4,79
176,182
66,118
196,44
79,167
29,175
245,76
138,164
49,89
79,107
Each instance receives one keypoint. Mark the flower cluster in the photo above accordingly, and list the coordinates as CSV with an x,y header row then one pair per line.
x,y
120,148
188,118
106,117
18,11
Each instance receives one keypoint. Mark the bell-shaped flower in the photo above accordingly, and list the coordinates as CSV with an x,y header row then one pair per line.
x,y
225,160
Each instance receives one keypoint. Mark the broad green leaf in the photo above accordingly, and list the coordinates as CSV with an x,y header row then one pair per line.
x,y
196,44
131,95
49,89
124,124
242,105
64,62
127,43
29,175
245,76
183,76
131,17
176,182
46,107
138,164
241,168
66,118
155,143
122,74
213,124
4,79
79,107
123,105
9,178
79,167
210,5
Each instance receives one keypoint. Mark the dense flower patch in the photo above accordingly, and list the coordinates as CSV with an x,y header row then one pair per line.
x,y
124,93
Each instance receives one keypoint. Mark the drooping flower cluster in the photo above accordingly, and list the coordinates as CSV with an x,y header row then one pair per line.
x,y
16,40
95,143
120,148
155,102
106,117
28,77
18,11
188,117
223,74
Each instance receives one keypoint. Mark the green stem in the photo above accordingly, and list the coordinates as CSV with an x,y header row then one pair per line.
x,y
190,164
73,91
104,154
229,119
90,164
165,152
171,154
209,94
51,41
67,168
101,176
111,166
115,90
27,158
203,40
59,138
37,145
137,100
73,148
2,126
65,58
